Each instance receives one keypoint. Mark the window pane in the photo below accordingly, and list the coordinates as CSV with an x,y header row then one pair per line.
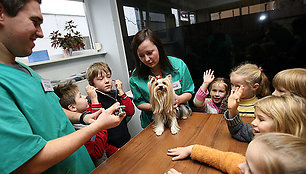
x,y
56,13
60,7
225,33
131,15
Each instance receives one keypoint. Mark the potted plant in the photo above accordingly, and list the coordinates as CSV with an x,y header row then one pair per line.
x,y
72,40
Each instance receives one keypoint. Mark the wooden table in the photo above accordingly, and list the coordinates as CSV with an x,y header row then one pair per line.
x,y
146,152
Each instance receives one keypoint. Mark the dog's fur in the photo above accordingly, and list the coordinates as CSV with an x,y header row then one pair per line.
x,y
162,98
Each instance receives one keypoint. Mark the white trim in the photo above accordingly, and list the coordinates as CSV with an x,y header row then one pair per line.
x,y
75,55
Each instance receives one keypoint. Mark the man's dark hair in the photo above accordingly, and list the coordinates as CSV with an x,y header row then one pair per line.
x,y
12,7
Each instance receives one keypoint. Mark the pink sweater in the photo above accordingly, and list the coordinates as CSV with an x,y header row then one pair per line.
x,y
208,106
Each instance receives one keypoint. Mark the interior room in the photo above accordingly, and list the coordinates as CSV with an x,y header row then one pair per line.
x,y
205,34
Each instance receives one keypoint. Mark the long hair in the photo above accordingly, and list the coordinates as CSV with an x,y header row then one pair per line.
x,y
141,69
12,7
293,80
161,100
288,113
282,153
253,74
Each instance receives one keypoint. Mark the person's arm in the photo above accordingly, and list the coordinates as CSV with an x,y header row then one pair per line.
x,y
58,149
185,97
233,101
199,98
180,152
225,161
202,93
124,99
127,102
118,84
74,117
92,94
239,130
145,107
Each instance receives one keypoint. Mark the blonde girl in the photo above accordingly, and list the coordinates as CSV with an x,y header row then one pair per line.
x,y
286,113
269,153
290,81
255,83
218,89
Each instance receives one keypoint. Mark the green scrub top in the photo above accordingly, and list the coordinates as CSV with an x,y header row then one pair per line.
x,y
139,87
29,118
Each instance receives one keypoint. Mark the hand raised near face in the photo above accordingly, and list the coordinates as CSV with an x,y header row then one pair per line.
x,y
118,85
208,76
92,94
233,100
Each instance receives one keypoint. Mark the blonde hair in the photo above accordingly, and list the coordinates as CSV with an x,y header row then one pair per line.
x,y
283,153
288,113
253,74
95,70
293,80
224,81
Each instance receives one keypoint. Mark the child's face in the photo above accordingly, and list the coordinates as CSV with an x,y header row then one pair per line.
x,y
103,82
237,81
280,91
262,123
253,162
81,103
218,92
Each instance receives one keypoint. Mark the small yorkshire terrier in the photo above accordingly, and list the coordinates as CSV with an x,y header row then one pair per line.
x,y
162,98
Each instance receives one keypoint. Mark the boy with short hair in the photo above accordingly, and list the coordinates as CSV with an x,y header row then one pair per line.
x,y
99,76
71,99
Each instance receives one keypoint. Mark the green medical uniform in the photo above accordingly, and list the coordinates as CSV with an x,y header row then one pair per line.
x,y
29,117
139,87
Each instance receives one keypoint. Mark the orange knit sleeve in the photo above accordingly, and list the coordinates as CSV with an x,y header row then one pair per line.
x,y
224,161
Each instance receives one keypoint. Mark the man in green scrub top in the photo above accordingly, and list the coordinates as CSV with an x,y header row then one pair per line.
x,y
36,135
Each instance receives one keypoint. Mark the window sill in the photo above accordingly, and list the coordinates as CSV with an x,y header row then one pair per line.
x,y
61,57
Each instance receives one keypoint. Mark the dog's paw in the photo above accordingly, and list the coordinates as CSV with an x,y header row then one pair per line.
x,y
175,130
159,131
185,117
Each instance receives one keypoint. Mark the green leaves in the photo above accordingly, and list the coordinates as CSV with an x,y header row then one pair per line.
x,y
72,39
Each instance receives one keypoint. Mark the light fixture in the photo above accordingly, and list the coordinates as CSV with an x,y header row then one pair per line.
x,y
262,17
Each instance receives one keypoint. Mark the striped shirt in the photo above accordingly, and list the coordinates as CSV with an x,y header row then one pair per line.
x,y
246,107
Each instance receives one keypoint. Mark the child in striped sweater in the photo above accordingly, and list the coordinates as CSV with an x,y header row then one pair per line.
x,y
255,82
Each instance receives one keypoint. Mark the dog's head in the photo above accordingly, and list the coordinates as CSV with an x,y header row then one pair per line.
x,y
159,86
161,93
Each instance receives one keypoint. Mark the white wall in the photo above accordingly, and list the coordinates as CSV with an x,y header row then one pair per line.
x,y
104,21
